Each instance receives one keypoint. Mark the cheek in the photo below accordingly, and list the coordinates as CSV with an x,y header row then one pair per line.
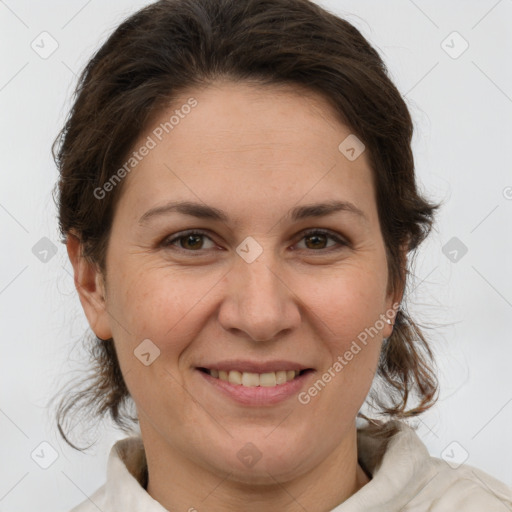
x,y
348,302
167,309
348,309
155,301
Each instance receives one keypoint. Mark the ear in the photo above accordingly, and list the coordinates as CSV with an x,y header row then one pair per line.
x,y
90,286
394,299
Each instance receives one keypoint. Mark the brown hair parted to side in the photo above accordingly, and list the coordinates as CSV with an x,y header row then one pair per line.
x,y
174,45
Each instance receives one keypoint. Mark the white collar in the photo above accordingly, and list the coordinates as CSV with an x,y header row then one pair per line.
x,y
402,472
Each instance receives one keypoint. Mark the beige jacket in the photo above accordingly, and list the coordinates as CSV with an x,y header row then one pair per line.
x,y
405,479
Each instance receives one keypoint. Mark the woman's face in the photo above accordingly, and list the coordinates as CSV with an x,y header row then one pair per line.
x,y
256,289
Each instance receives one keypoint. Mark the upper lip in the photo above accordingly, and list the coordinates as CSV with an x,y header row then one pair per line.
x,y
254,366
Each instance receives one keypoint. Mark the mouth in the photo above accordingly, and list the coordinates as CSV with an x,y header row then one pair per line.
x,y
254,383
251,379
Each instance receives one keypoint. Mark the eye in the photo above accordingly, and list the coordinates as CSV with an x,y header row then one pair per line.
x,y
317,239
191,241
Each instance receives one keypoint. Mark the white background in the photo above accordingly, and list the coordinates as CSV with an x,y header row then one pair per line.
x,y
462,108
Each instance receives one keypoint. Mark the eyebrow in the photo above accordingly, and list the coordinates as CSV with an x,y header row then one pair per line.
x,y
203,211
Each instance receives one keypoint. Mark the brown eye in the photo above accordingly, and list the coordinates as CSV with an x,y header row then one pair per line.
x,y
192,241
318,240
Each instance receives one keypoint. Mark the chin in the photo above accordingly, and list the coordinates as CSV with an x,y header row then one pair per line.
x,y
264,460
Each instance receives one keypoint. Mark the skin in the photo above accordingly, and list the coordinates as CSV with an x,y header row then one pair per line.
x,y
254,152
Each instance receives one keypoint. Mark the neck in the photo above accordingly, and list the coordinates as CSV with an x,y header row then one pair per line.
x,y
179,483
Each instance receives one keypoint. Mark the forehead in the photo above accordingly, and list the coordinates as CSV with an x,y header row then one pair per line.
x,y
250,147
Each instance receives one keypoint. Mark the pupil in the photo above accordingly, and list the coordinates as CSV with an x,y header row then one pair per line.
x,y
316,238
197,238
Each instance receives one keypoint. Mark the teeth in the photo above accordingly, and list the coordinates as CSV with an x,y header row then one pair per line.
x,y
248,379
281,377
267,379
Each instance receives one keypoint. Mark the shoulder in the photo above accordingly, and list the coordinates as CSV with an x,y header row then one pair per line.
x,y
406,477
466,488
124,489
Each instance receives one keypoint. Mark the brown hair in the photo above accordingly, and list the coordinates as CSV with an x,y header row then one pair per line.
x,y
174,45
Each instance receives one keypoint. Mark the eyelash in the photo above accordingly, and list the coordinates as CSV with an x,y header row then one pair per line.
x,y
168,242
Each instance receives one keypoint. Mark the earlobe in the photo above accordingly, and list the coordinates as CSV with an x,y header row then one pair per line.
x,y
90,286
392,311
395,299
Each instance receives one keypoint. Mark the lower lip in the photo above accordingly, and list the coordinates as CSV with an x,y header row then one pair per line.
x,y
258,395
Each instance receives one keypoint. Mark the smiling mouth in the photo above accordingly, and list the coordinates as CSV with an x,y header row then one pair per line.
x,y
248,379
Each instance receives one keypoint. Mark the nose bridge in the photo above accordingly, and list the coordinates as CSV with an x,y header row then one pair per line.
x,y
254,263
261,283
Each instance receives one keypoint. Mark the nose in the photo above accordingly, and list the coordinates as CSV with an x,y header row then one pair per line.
x,y
258,301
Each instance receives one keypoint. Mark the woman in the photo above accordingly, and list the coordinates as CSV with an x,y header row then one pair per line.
x,y
238,200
